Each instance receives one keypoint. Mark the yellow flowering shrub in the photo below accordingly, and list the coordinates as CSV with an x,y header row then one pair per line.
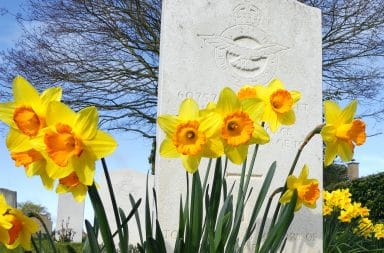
x,y
338,202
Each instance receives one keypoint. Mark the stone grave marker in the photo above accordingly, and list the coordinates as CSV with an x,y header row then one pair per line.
x,y
72,212
125,182
207,45
10,196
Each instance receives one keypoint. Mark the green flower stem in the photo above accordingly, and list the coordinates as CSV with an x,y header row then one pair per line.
x,y
207,174
315,131
251,166
52,244
105,230
113,201
262,225
34,245
130,215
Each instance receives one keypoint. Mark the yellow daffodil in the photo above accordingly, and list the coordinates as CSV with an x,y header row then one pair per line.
x,y
27,112
365,227
379,231
71,142
238,130
26,116
191,135
327,210
248,91
72,184
251,101
341,132
307,190
278,104
21,231
33,161
5,225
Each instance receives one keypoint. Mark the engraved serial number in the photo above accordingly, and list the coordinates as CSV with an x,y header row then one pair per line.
x,y
200,97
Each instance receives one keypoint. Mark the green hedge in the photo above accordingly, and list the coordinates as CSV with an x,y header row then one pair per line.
x,y
369,191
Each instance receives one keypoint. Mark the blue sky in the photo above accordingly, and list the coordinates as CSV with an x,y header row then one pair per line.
x,y
132,151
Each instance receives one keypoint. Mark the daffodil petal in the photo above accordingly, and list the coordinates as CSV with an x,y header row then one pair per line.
x,y
313,205
275,85
86,122
58,112
228,101
254,107
61,189
102,144
24,92
287,196
304,173
189,110
79,192
6,113
36,168
4,236
51,94
47,181
296,95
168,149
17,142
214,148
191,163
271,118
345,151
291,182
54,171
348,113
287,118
332,112
328,133
237,154
330,154
168,124
299,204
260,135
84,166
210,124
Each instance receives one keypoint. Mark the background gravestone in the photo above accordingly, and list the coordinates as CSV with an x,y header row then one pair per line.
x,y
207,45
10,196
125,182
72,212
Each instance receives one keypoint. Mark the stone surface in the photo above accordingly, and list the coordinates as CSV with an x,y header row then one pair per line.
x,y
48,223
10,196
206,45
125,182
72,212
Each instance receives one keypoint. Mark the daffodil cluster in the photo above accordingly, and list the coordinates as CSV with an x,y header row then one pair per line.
x,y
51,140
227,127
339,202
15,227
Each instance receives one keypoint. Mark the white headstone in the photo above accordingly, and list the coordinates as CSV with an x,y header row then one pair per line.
x,y
10,196
207,45
125,182
72,212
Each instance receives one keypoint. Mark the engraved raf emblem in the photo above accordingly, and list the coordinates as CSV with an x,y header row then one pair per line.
x,y
246,50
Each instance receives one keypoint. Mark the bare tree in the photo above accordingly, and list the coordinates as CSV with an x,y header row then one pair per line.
x,y
353,51
106,52
103,53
